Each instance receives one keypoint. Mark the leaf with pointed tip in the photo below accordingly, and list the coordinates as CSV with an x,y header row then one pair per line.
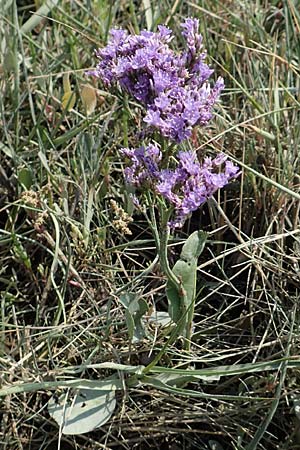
x,y
193,246
185,270
68,100
38,16
135,309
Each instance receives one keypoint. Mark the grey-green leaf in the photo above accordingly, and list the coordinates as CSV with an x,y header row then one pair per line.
x,y
135,309
193,246
148,14
160,318
176,305
185,270
7,150
38,17
83,412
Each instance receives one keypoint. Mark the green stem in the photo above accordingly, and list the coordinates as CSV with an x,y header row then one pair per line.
x,y
125,123
163,255
164,262
152,223
189,324
172,338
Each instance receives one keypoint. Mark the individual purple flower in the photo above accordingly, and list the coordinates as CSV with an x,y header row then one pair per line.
x,y
144,164
190,29
172,87
166,183
190,184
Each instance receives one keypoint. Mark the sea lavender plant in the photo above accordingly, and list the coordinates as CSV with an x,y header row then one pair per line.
x,y
172,87
175,95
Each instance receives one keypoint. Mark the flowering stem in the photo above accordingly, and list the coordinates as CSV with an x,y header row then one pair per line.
x,y
161,242
182,323
172,338
163,249
189,325
153,224
125,121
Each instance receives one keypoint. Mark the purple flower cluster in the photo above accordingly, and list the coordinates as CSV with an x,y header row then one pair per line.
x,y
172,87
187,186
144,166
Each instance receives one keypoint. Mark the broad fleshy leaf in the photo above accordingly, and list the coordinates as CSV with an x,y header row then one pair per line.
x,y
85,411
185,270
